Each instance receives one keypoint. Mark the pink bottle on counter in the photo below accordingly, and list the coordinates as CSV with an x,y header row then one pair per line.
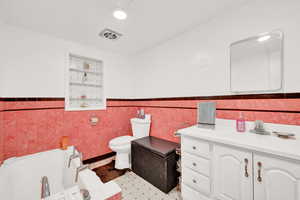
x,y
240,123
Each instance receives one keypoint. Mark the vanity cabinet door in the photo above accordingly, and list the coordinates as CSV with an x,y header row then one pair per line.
x,y
232,174
276,179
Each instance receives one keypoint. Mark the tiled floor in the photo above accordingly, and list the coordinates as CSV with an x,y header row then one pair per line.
x,y
135,188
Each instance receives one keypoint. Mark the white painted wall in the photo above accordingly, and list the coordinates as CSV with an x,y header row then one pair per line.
x,y
196,63
33,65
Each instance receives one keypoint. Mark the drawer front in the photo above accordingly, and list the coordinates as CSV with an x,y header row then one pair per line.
x,y
196,163
195,180
195,146
189,193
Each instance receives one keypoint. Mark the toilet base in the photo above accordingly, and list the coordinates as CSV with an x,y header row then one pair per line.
x,y
122,160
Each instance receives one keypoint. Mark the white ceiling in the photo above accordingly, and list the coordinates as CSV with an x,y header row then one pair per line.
x,y
149,22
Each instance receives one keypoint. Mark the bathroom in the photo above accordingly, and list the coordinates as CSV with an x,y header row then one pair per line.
x,y
97,97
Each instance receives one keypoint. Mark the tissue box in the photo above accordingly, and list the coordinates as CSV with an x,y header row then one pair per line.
x,y
206,113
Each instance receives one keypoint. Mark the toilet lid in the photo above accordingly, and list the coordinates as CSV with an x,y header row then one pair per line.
x,y
121,140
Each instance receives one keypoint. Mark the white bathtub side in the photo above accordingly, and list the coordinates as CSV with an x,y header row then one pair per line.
x,y
24,175
5,189
20,178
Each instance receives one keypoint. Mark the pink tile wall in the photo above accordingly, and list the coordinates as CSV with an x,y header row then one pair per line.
x,y
254,104
29,131
1,132
168,116
165,121
13,105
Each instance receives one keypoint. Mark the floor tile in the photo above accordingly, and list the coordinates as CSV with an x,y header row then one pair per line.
x,y
136,188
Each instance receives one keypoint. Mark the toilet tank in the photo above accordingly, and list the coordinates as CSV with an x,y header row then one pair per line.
x,y
141,127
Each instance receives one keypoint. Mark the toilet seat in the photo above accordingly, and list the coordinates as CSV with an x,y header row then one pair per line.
x,y
122,146
122,140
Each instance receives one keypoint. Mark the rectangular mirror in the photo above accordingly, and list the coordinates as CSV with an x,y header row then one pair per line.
x,y
256,63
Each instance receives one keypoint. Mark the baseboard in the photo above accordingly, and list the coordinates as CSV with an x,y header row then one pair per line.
x,y
98,158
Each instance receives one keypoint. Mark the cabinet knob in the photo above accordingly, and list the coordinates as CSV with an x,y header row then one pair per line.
x,y
194,148
194,181
194,164
259,178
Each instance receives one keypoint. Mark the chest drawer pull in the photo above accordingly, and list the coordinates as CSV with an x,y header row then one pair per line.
x,y
194,148
194,181
194,164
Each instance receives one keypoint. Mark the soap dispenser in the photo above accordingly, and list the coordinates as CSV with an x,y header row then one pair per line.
x,y
240,123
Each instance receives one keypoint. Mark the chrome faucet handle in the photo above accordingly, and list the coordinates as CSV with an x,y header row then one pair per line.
x,y
80,159
45,189
79,169
73,156
74,150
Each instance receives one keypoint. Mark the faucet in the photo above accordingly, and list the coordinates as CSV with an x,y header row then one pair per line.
x,y
45,191
79,169
73,156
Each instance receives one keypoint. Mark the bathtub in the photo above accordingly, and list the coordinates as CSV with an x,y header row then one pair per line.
x,y
20,177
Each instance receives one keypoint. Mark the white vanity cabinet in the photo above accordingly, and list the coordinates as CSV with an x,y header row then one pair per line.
x,y
276,179
232,174
196,169
218,167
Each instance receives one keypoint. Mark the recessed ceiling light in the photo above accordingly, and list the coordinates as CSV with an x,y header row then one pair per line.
x,y
264,38
120,14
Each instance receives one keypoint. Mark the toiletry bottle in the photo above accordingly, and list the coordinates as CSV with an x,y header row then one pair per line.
x,y
138,115
240,123
142,114
64,142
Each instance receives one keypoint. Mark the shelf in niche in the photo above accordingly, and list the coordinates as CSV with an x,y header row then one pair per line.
x,y
87,99
85,71
82,80
86,84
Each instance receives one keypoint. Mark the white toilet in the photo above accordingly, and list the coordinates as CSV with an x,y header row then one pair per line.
x,y
122,145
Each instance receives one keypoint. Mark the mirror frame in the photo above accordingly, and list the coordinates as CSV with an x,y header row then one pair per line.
x,y
281,63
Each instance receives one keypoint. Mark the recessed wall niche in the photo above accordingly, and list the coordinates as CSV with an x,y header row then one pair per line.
x,y
84,84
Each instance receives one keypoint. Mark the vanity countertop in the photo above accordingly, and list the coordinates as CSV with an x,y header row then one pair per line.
x,y
289,148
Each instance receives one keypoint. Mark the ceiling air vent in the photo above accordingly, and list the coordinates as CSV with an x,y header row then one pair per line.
x,y
110,34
